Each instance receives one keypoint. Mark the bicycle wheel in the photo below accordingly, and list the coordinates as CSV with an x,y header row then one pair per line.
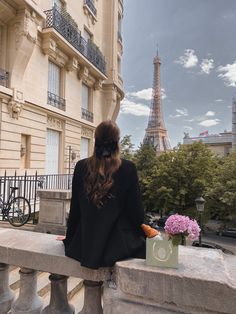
x,y
19,211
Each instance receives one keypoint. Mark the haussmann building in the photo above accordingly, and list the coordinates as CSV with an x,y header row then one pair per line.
x,y
60,77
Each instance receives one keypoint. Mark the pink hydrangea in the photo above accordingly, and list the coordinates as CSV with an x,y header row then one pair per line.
x,y
176,224
193,230
179,224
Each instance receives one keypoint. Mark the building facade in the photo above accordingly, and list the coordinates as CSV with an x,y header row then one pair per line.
x,y
220,144
60,77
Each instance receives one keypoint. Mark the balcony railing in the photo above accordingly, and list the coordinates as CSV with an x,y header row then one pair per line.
x,y
91,6
87,115
62,24
4,76
56,101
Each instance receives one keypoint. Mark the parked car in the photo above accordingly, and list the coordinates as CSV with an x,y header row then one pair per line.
x,y
229,232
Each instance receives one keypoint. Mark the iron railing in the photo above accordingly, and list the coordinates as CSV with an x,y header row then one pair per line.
x,y
56,101
87,115
28,185
4,76
61,22
90,5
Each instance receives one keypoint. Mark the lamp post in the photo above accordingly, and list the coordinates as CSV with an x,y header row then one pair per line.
x,y
200,203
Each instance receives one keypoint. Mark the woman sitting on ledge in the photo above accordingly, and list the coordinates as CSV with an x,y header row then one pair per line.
x,y
106,213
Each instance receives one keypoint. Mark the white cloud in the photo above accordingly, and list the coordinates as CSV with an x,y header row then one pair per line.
x,y
146,94
136,109
219,100
207,65
210,113
182,112
209,122
228,73
189,120
163,93
189,59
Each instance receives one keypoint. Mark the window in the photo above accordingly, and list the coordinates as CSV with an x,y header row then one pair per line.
x,y
86,107
58,4
87,35
54,86
119,27
52,152
118,65
25,151
54,76
84,148
85,97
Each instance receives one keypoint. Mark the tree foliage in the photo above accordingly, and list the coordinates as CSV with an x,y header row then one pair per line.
x,y
126,147
173,180
222,193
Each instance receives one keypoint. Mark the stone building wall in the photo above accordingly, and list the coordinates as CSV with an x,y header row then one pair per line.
x,y
26,48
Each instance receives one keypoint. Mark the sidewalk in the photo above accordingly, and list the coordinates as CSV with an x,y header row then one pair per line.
x,y
226,242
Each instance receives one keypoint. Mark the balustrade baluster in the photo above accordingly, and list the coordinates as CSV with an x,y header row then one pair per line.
x,y
28,301
92,297
6,294
58,299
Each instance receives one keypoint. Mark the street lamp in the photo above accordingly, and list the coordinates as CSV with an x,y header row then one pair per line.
x,y
200,202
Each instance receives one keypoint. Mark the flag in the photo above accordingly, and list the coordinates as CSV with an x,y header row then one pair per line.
x,y
205,133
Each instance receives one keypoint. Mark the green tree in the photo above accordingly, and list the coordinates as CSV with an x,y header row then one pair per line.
x,y
221,195
173,180
146,161
126,147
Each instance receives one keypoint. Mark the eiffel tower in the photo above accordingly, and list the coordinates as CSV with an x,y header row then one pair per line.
x,y
156,132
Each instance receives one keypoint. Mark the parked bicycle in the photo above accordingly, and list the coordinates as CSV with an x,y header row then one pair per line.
x,y
16,210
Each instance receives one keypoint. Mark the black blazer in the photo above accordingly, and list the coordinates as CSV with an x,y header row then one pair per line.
x,y
98,237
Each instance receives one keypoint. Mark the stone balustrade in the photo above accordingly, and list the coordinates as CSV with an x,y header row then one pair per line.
x,y
205,281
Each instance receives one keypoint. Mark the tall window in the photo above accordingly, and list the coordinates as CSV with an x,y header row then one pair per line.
x,y
84,148
58,4
85,97
86,107
54,77
52,152
87,35
54,87
118,65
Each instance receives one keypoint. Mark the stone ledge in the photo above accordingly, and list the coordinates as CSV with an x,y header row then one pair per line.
x,y
43,252
205,281
54,194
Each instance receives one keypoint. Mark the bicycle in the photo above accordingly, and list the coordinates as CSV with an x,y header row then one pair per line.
x,y
16,210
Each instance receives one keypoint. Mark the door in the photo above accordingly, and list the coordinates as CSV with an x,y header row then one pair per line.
x,y
52,152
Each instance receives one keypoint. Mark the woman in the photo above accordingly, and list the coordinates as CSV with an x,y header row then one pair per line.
x,y
106,213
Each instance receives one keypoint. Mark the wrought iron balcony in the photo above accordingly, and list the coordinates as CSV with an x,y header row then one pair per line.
x,y
4,76
56,101
61,22
87,115
90,5
119,36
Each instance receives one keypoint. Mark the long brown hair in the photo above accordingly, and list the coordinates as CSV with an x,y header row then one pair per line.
x,y
103,163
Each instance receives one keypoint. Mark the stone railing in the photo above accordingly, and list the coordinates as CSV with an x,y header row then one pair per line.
x,y
205,281
32,252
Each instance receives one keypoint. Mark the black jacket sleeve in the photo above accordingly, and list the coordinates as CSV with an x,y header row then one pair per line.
x,y
74,214
134,207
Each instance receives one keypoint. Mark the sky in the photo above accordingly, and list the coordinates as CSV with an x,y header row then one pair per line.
x,y
197,45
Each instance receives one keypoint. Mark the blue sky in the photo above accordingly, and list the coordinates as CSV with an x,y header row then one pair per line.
x,y
197,47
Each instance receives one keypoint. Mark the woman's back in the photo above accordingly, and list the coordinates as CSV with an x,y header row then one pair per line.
x,y
100,236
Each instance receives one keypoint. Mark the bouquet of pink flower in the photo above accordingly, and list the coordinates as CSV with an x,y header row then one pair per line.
x,y
179,227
